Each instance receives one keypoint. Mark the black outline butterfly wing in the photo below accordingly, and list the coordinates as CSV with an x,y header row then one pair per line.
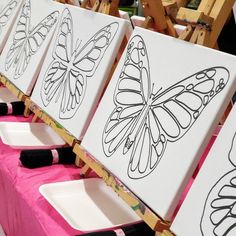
x,y
26,42
68,74
129,99
6,12
145,121
129,121
54,79
218,216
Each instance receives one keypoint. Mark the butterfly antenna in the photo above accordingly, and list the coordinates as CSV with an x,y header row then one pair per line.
x,y
155,94
152,91
152,88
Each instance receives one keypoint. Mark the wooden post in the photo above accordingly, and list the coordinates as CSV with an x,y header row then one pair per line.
x,y
160,20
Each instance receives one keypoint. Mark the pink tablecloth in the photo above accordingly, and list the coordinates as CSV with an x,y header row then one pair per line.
x,y
23,210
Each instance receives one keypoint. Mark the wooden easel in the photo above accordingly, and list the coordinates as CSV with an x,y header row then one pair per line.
x,y
157,15
102,6
205,24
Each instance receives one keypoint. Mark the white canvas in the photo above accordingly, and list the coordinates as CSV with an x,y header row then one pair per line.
x,y
8,14
27,43
77,65
209,208
158,112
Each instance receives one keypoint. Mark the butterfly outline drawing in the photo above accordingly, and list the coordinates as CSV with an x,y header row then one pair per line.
x,y
6,13
220,203
65,80
143,121
27,40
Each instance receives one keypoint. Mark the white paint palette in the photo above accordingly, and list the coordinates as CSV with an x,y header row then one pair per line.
x,y
27,43
23,135
77,65
88,204
158,113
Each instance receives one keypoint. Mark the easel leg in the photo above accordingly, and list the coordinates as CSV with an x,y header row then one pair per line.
x,y
36,116
85,170
78,162
26,112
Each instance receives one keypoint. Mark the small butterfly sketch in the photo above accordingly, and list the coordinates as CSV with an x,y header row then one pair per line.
x,y
65,80
219,217
143,120
6,13
27,40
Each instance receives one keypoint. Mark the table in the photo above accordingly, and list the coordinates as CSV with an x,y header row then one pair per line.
x,y
23,210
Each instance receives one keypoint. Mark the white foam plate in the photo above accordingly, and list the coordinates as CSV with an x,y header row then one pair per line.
x,y
88,204
7,96
22,135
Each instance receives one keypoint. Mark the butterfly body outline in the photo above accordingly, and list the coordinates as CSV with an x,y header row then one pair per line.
x,y
144,120
66,77
27,39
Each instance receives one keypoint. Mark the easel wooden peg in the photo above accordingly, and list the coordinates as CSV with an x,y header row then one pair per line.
x,y
37,115
71,2
82,159
109,7
85,3
156,11
148,22
105,7
187,33
160,20
27,110
85,170
96,5
78,162
171,8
